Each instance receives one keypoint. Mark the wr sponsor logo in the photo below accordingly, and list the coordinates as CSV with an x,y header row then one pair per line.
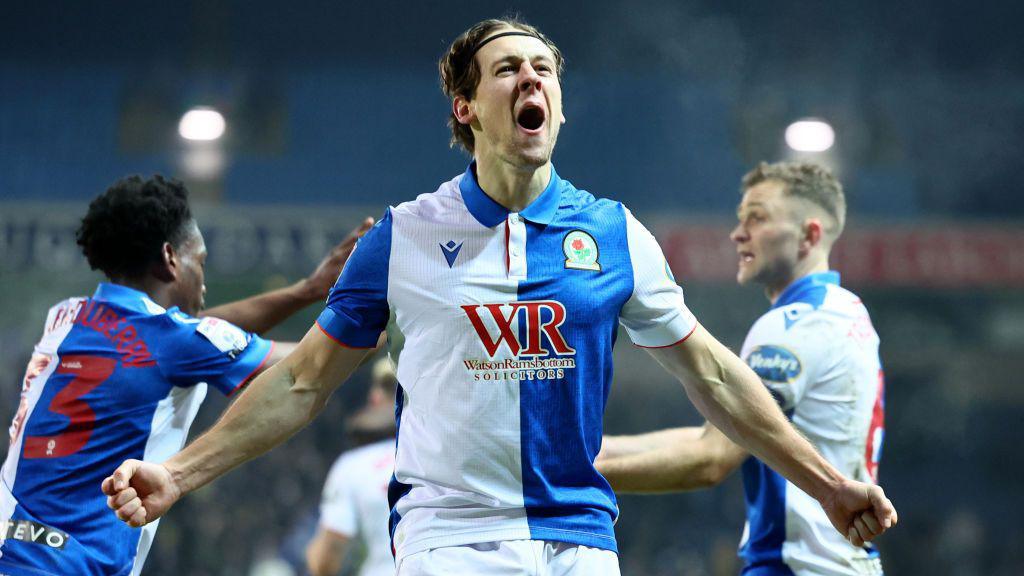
x,y
521,326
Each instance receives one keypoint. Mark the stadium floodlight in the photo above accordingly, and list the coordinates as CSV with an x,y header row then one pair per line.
x,y
202,124
810,135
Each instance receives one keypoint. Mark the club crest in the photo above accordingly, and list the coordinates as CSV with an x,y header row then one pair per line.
x,y
581,252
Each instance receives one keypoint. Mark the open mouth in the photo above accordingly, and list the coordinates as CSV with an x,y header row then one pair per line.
x,y
746,257
531,117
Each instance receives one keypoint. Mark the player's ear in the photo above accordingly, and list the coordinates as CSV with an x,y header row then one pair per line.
x,y
166,269
813,233
463,110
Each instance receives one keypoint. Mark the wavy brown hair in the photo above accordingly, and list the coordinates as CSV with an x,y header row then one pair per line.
x,y
460,72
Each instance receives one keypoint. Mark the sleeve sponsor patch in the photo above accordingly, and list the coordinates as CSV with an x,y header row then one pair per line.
x,y
774,363
224,335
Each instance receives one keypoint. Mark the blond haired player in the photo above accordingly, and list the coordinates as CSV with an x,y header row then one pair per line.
x,y
816,352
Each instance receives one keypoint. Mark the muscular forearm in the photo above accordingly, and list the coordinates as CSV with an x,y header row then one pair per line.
x,y
673,460
667,469
236,439
262,312
734,400
278,403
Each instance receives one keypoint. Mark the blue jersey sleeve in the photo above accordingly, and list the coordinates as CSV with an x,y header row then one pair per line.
x,y
357,309
211,350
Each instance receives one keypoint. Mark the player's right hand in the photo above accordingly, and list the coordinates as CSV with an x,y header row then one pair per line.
x,y
140,492
860,511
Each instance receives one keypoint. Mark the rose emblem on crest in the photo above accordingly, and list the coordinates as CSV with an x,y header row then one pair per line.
x,y
581,251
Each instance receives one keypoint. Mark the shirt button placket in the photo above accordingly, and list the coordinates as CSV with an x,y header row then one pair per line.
x,y
517,245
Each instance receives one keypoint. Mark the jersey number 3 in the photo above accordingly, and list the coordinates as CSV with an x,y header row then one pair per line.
x,y
88,372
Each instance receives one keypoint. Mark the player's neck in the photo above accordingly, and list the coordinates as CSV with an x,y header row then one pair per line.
x,y
511,186
157,291
803,268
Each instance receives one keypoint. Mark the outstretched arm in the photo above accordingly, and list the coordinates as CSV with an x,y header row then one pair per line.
x,y
670,460
277,404
734,400
264,311
626,445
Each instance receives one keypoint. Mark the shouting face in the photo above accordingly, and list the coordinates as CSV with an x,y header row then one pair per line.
x,y
516,110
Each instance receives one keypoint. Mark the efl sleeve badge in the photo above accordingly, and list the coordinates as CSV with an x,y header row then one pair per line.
x,y
225,336
581,252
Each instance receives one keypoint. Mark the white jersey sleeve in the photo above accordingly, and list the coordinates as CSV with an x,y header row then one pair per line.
x,y
788,349
655,315
338,506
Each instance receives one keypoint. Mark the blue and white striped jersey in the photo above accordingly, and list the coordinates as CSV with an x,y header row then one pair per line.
x,y
114,377
508,321
817,352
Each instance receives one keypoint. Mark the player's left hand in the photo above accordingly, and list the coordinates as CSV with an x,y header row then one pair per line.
x,y
860,511
319,283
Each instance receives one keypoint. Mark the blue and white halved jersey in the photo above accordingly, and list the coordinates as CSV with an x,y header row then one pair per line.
x,y
114,377
509,321
817,352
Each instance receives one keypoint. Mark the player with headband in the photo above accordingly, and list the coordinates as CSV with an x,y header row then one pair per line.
x,y
508,285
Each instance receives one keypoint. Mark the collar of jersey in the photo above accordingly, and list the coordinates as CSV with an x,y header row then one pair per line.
x,y
125,297
490,213
810,289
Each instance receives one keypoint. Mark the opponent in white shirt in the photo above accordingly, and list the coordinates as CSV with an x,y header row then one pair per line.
x,y
355,495
816,351
508,285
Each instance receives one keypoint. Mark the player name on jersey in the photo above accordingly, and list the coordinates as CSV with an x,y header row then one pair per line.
x,y
113,377
106,321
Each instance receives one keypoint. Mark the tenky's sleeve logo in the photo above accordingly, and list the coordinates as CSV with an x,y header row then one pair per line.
x,y
774,363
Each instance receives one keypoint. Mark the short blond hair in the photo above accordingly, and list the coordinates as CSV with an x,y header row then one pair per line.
x,y
807,180
383,376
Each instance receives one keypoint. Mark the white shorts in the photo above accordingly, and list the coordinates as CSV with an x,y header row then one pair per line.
x,y
511,558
